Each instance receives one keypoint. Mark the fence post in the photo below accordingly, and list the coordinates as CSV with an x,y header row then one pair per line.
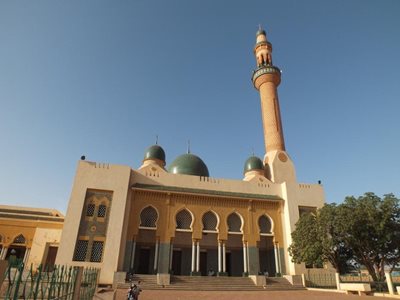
x,y
20,270
3,269
337,278
77,286
303,279
389,283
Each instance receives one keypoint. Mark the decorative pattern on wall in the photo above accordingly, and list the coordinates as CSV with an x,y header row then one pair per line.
x,y
93,226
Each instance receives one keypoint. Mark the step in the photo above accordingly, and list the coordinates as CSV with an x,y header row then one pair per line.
x,y
211,283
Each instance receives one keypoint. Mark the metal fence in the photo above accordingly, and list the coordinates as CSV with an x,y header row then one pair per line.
x,y
326,280
377,286
88,283
60,282
320,280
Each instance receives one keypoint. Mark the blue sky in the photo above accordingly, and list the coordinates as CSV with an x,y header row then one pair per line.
x,y
103,78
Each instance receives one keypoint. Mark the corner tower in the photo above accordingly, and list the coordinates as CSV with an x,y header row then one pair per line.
x,y
266,79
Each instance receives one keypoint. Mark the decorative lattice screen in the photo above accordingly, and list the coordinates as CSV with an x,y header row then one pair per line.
x,y
234,223
90,210
81,250
102,211
209,221
97,251
148,217
265,224
183,220
20,239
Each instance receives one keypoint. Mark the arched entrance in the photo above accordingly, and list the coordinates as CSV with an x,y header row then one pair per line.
x,y
234,246
208,260
17,251
146,246
181,261
266,246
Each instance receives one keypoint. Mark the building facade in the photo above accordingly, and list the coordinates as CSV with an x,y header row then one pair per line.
x,y
31,235
179,220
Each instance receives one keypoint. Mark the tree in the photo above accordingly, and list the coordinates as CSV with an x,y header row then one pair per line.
x,y
370,227
316,239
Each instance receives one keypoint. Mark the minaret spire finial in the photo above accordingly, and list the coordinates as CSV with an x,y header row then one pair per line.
x,y
259,27
156,139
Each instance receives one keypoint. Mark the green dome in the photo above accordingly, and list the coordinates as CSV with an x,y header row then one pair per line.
x,y
188,164
260,31
154,152
253,163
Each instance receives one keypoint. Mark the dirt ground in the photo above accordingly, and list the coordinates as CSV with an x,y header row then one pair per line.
x,y
258,295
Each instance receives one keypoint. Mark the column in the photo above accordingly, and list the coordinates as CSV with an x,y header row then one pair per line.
x,y
276,249
156,256
26,255
389,283
198,257
223,257
164,257
4,253
279,258
247,256
253,256
133,250
244,258
171,252
193,255
219,257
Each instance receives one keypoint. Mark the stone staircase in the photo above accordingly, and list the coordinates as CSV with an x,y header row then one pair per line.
x,y
214,283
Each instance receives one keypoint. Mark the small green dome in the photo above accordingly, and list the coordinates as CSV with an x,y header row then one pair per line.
x,y
154,152
188,164
253,163
260,31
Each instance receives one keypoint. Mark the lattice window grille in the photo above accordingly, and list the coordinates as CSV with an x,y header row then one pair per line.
x,y
265,224
183,220
209,221
234,223
148,217
102,211
90,210
97,251
81,250
20,239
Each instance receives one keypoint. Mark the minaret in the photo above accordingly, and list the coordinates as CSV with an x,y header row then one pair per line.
x,y
266,78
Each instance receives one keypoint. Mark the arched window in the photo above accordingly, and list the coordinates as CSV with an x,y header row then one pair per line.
x,y
234,223
148,217
265,224
210,221
101,213
20,239
183,219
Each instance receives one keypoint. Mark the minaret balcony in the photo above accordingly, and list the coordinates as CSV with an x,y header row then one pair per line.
x,y
274,72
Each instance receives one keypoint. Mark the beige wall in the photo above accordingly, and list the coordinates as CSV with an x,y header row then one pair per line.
x,y
107,177
42,238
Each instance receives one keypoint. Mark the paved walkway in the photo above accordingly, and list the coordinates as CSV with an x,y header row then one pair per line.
x,y
225,295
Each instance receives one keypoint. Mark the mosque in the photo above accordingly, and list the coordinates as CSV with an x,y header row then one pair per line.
x,y
177,220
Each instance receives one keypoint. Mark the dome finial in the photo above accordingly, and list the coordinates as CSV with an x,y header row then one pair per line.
x,y
156,139
188,148
260,31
